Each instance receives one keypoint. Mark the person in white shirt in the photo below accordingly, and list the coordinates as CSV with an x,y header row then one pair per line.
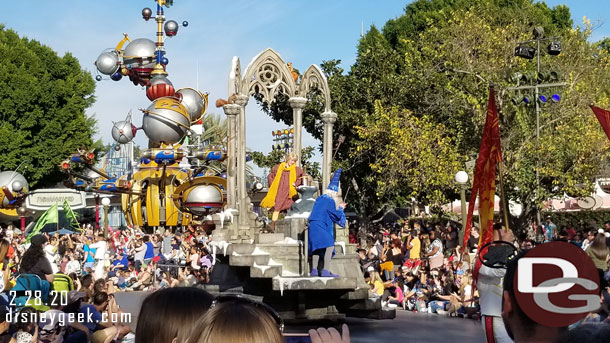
x,y
51,253
100,256
489,283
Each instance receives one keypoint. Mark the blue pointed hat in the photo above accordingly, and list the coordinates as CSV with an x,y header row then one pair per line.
x,y
334,182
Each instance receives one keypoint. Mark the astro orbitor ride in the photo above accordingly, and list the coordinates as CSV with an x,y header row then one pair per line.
x,y
160,192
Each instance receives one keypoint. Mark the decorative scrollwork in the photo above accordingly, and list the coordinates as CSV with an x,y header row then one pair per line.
x,y
314,78
268,75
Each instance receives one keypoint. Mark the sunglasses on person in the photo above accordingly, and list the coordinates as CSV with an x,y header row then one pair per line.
x,y
240,299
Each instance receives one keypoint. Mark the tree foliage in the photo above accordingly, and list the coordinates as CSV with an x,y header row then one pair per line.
x,y
410,156
42,109
435,64
277,156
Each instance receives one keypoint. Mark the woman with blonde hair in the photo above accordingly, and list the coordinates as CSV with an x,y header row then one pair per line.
x,y
283,180
376,283
235,319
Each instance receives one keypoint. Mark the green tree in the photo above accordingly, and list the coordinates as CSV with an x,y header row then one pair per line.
x,y
437,62
42,109
277,156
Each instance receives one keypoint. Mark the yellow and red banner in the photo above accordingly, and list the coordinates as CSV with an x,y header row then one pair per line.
x,y
484,183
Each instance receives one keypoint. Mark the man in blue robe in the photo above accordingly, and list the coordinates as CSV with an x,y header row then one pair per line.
x,y
324,215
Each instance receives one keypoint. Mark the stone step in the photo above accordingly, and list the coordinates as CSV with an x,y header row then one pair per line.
x,y
263,271
311,283
266,238
362,292
248,260
367,303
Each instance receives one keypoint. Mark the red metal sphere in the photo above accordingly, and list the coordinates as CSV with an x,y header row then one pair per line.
x,y
159,87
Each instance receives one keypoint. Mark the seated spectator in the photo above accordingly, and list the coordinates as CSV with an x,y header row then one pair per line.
x,y
5,336
102,331
35,261
375,283
26,331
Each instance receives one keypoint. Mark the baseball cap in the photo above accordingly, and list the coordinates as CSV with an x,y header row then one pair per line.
x,y
370,269
73,296
39,240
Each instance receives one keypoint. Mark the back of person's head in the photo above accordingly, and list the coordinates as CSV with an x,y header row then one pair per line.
x,y
169,312
145,239
522,323
25,319
100,298
99,286
236,322
599,247
86,280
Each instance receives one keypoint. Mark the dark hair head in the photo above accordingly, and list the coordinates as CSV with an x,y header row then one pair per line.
x,y
99,286
170,311
31,257
145,239
526,323
23,322
599,247
100,298
86,280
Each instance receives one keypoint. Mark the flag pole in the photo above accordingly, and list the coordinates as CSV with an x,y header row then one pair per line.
x,y
503,194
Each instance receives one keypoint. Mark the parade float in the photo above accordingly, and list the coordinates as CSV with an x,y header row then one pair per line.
x,y
163,194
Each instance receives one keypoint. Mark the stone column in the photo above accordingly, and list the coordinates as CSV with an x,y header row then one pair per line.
x,y
329,119
297,104
232,111
243,201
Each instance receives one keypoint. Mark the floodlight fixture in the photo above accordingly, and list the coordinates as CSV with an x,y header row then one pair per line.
x,y
554,48
525,51
538,32
543,99
556,98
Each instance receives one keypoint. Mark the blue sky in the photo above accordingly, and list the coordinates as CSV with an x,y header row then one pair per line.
x,y
302,32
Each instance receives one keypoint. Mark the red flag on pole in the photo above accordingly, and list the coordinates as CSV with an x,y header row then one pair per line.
x,y
604,118
484,183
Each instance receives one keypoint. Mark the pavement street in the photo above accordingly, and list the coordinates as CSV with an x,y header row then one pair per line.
x,y
407,327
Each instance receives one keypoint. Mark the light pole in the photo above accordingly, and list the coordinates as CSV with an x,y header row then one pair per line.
x,y
22,212
461,178
283,140
105,203
527,52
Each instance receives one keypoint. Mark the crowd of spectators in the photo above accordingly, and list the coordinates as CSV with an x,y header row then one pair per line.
x,y
90,268
416,266
422,267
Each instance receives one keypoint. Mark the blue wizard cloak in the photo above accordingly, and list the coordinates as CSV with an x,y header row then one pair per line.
x,y
323,215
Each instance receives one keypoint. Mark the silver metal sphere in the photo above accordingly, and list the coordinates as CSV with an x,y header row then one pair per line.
x,y
166,120
171,28
141,48
98,77
17,186
10,179
123,132
203,194
107,62
146,13
193,100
